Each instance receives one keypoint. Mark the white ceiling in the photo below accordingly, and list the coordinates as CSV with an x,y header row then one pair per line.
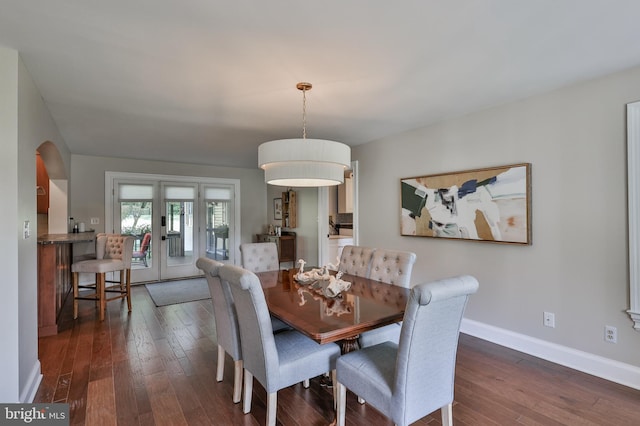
x,y
207,81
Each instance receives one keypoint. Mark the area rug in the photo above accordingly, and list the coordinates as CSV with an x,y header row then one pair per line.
x,y
172,292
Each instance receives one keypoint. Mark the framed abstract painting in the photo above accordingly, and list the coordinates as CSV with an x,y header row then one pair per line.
x,y
491,204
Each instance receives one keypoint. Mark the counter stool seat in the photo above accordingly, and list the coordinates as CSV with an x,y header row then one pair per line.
x,y
98,266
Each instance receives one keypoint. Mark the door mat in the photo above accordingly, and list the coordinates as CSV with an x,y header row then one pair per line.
x,y
171,292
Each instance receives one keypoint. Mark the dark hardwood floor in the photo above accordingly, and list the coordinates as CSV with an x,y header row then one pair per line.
x,y
157,366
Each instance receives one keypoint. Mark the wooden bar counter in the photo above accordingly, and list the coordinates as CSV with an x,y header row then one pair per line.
x,y
55,255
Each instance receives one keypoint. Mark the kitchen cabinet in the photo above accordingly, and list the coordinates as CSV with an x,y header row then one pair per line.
x,y
42,186
55,256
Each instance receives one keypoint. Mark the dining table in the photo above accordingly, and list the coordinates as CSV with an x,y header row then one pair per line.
x,y
306,307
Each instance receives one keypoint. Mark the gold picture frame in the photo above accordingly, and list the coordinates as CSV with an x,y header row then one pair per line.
x,y
491,204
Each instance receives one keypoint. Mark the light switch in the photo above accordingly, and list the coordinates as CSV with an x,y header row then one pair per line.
x,y
27,229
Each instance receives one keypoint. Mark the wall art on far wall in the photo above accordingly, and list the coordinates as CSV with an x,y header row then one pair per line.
x,y
491,204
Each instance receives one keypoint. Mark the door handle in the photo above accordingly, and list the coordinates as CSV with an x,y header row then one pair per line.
x,y
163,221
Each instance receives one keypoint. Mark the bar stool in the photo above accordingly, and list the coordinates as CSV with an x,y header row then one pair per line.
x,y
113,254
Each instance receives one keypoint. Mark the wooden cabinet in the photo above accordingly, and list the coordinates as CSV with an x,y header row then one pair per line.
x,y
286,244
54,285
289,209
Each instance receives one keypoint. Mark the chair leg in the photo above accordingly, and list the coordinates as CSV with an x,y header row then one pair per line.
x,y
272,407
248,390
101,294
447,415
220,368
361,400
334,380
237,381
305,383
76,293
341,390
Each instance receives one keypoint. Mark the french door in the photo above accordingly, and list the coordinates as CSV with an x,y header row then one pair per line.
x,y
174,220
178,230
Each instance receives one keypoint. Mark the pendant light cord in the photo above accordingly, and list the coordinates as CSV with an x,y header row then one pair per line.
x,y
304,113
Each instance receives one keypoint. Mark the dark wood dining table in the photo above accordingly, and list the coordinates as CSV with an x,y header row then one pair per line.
x,y
368,304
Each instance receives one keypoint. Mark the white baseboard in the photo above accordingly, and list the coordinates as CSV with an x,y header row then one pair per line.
x,y
615,371
28,393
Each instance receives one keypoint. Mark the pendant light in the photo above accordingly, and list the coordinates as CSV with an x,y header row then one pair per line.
x,y
304,162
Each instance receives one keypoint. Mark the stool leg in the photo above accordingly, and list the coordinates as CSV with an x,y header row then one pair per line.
x,y
75,295
122,278
97,302
101,295
128,284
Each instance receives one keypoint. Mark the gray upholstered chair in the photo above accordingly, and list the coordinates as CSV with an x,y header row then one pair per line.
x,y
259,257
226,320
408,381
113,254
391,267
263,257
275,360
356,260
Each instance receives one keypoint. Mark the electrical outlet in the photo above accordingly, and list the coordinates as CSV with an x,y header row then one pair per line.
x,y
610,334
549,319
95,220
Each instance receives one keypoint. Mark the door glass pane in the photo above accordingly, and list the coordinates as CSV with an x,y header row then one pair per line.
x,y
218,229
180,230
135,220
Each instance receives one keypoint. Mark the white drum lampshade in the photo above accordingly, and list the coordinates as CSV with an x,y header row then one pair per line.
x,y
304,162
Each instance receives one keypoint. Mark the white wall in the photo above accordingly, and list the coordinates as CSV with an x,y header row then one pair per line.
x,y
35,126
25,123
87,187
577,265
9,335
307,229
